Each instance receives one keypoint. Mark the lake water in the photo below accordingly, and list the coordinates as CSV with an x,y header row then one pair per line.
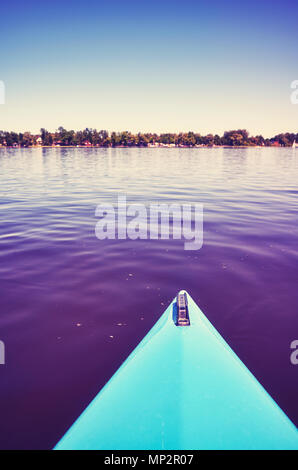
x,y
73,307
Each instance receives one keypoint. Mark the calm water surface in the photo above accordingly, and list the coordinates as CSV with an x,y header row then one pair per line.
x,y
73,307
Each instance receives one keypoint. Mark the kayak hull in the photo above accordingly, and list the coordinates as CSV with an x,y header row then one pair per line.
x,y
182,388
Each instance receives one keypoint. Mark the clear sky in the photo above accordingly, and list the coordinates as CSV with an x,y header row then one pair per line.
x,y
206,66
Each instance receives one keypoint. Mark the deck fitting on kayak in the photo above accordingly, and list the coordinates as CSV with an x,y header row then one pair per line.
x,y
182,318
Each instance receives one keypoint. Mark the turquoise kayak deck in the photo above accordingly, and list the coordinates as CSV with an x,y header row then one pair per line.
x,y
182,388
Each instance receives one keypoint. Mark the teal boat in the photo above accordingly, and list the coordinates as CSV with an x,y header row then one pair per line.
x,y
182,388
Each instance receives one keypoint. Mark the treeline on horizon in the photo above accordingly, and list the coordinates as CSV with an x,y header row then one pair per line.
x,y
102,138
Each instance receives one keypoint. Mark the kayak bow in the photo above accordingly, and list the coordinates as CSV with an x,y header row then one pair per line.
x,y
182,388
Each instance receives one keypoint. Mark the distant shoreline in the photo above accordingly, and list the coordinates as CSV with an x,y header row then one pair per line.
x,y
197,147
92,138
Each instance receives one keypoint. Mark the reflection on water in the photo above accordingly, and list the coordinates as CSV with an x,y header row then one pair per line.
x,y
73,307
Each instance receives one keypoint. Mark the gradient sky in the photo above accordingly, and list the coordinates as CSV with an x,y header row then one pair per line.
x,y
206,66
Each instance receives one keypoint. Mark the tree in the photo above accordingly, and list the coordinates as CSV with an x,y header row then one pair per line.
x,y
46,137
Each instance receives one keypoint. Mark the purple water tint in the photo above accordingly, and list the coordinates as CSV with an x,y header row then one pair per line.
x,y
73,307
